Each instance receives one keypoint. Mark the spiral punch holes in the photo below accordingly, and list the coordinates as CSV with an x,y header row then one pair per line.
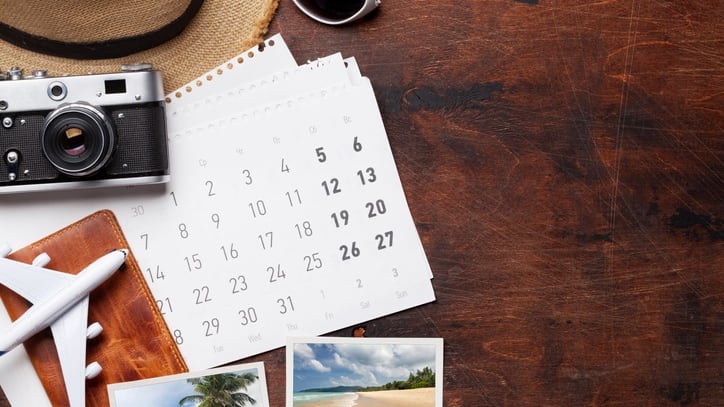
x,y
219,71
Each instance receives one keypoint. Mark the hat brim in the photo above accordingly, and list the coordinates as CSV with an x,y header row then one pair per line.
x,y
220,30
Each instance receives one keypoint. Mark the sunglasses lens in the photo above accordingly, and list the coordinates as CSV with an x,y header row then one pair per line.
x,y
335,10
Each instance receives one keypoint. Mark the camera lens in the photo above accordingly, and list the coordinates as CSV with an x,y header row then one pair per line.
x,y
74,142
78,139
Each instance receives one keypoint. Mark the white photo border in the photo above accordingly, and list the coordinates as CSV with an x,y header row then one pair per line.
x,y
259,366
437,342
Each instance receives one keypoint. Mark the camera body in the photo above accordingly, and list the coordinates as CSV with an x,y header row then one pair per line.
x,y
82,131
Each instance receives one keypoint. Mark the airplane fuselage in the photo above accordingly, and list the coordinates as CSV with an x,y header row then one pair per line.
x,y
42,315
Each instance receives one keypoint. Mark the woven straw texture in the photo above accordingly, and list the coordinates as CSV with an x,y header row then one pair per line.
x,y
221,29
89,21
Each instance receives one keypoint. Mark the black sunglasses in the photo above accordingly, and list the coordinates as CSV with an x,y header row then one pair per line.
x,y
336,12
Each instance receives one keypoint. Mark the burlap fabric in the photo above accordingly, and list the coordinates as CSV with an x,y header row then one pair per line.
x,y
220,30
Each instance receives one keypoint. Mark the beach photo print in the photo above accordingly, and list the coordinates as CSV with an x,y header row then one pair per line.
x,y
238,385
364,372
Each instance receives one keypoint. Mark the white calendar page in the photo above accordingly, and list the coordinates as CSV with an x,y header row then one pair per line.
x,y
247,67
286,222
285,219
221,102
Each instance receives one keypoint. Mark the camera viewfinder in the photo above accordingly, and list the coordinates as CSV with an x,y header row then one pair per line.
x,y
115,86
57,91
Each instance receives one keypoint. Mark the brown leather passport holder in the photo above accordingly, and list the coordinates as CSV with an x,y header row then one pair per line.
x,y
135,342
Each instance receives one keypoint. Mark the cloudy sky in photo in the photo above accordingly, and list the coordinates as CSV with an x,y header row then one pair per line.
x,y
322,365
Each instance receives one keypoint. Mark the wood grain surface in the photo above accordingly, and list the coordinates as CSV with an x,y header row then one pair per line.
x,y
564,164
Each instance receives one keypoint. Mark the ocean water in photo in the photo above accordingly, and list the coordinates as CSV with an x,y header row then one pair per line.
x,y
314,399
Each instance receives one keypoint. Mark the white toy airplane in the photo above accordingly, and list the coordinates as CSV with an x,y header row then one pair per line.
x,y
61,302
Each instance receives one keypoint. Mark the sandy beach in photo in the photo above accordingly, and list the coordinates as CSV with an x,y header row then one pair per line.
x,y
397,398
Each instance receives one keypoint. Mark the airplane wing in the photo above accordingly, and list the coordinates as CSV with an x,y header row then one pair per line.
x,y
70,329
33,283
69,334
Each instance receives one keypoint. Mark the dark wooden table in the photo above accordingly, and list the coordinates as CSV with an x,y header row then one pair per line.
x,y
564,164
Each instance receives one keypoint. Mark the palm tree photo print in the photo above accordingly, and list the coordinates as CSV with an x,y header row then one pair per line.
x,y
214,388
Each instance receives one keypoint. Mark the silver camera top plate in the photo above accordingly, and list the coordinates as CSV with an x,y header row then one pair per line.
x,y
34,93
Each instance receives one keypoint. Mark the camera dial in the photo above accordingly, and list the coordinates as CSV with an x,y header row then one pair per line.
x,y
15,73
39,74
78,139
136,67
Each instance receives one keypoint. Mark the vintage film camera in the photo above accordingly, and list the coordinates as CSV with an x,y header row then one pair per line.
x,y
82,131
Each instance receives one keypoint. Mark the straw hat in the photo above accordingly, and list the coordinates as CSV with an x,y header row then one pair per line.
x,y
181,38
